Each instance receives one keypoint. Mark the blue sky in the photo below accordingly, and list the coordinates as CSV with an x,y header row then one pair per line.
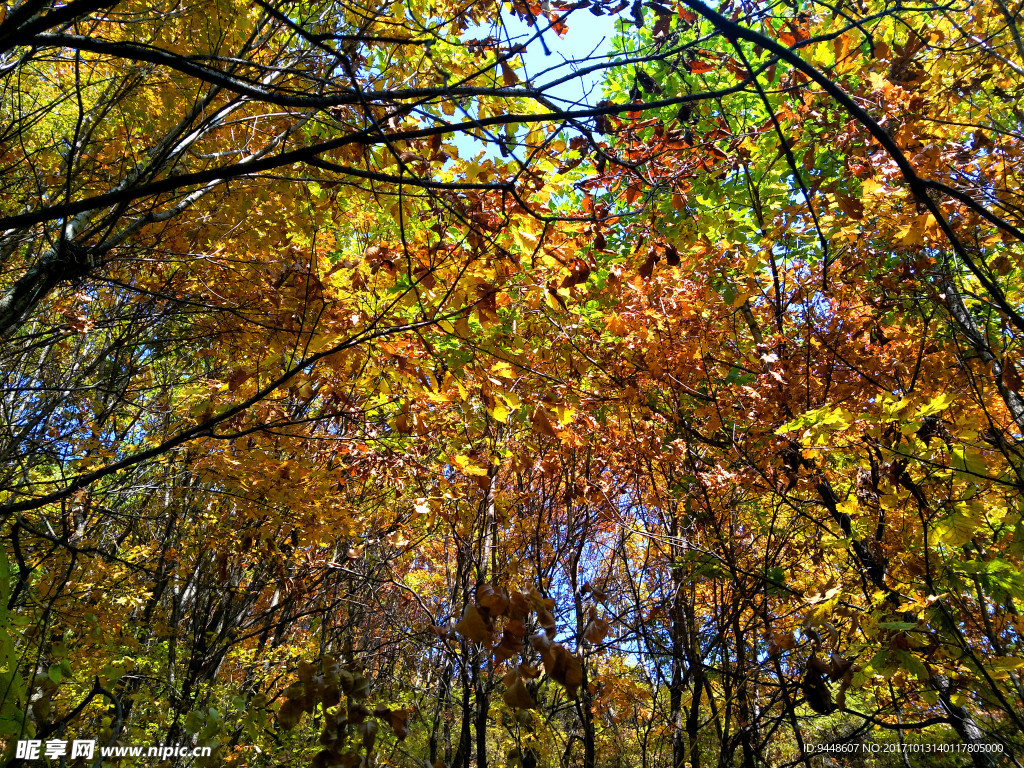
x,y
589,37
551,58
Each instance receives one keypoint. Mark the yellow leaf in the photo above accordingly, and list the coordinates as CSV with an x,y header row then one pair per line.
x,y
511,399
467,466
565,414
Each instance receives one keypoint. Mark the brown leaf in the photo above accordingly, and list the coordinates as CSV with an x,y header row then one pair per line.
x,y
539,601
373,253
816,692
528,671
596,631
541,423
360,687
398,719
402,424
289,714
637,12
511,640
518,606
782,641
508,76
566,670
648,83
662,26
547,620
851,206
495,601
1011,377
818,665
368,730
542,644
295,691
671,255
604,124
330,695
553,292
579,274
647,268
839,666
411,158
237,378
472,626
598,593
517,696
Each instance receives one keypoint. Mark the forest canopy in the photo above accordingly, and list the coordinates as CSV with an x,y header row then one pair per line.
x,y
441,384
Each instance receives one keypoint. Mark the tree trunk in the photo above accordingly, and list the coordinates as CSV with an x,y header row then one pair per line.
x,y
962,722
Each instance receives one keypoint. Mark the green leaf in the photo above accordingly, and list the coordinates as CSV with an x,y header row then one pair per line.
x,y
914,665
897,625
